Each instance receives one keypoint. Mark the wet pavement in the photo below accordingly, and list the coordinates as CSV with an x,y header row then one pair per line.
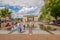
x,y
36,30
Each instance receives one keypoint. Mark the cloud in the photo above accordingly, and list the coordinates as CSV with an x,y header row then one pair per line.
x,y
16,15
2,7
23,2
26,9
11,4
22,7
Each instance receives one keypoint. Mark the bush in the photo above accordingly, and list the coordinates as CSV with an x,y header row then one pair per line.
x,y
43,27
48,27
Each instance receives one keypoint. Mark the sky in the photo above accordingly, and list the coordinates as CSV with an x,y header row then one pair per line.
x,y
22,7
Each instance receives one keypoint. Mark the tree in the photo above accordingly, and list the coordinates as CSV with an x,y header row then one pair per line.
x,y
55,12
0,18
51,7
17,19
4,13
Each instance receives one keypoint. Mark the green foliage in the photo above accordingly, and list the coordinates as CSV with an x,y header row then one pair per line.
x,y
4,12
17,19
45,16
0,13
42,27
51,7
47,28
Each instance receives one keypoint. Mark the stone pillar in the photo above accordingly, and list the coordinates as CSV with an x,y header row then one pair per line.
x,y
24,19
35,18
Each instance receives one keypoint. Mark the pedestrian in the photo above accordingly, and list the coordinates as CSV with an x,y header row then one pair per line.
x,y
30,27
23,26
18,27
13,29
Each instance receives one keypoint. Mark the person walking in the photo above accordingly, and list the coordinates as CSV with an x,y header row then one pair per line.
x,y
19,27
24,26
30,27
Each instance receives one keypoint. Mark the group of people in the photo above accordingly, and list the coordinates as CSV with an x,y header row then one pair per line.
x,y
19,26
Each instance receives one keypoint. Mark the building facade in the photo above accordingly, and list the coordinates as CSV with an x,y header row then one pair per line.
x,y
30,18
